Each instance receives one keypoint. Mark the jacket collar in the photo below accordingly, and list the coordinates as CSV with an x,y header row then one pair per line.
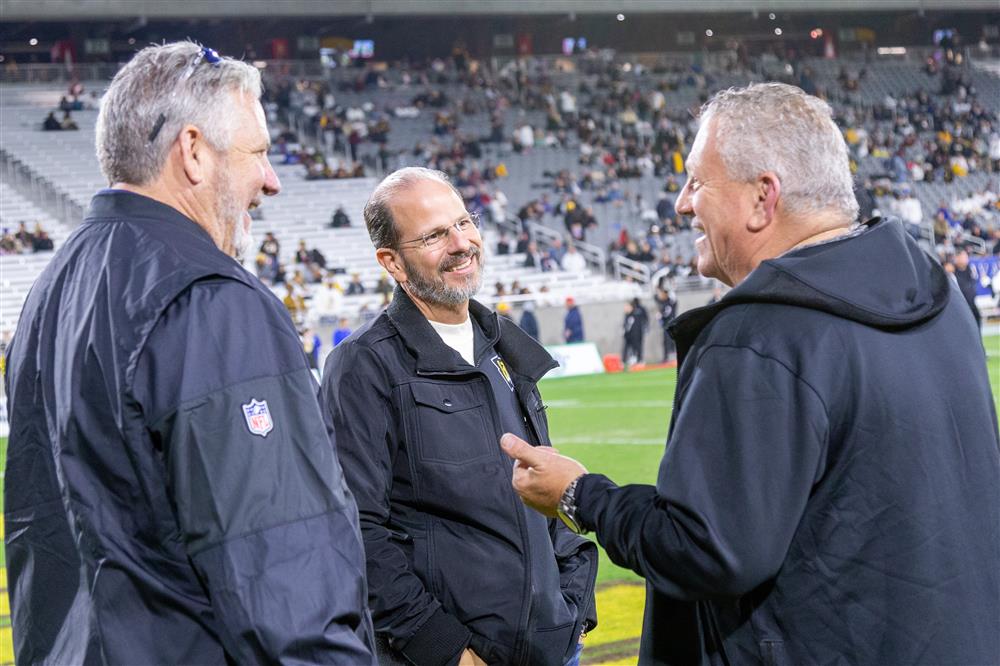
x,y
521,352
110,204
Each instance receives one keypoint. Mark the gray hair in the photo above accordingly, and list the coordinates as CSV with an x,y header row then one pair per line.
x,y
173,82
378,212
779,128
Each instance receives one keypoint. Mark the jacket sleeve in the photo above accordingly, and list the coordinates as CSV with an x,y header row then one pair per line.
x,y
261,504
747,445
356,393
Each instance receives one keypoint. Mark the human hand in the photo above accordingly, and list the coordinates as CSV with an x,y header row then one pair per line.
x,y
541,475
470,658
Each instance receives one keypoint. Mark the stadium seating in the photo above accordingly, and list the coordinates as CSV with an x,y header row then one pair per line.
x,y
302,212
18,271
64,163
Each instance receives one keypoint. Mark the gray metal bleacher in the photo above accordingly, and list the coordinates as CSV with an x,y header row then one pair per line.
x,y
301,212
18,271
66,161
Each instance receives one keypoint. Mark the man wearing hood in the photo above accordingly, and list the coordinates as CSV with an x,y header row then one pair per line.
x,y
830,488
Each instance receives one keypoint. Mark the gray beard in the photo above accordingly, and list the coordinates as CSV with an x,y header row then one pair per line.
x,y
229,211
433,289
243,243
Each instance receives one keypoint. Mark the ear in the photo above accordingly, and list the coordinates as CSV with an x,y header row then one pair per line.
x,y
390,261
194,154
768,193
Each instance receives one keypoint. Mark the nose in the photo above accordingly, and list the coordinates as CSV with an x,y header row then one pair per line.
x,y
271,183
683,204
458,242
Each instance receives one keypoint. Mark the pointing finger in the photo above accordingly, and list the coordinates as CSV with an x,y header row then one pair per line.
x,y
520,450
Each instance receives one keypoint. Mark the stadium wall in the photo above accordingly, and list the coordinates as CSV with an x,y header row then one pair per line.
x,y
105,9
418,36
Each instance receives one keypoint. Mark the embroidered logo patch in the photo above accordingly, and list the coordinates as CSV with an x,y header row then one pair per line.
x,y
258,417
504,372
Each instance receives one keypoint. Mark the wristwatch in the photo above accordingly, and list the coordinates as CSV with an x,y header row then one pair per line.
x,y
567,508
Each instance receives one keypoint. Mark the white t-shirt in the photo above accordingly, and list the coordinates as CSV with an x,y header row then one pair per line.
x,y
459,337
573,262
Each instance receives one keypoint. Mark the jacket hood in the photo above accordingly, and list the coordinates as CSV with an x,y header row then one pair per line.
x,y
877,276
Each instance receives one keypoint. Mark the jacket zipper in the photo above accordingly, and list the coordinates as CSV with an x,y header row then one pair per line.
x,y
521,646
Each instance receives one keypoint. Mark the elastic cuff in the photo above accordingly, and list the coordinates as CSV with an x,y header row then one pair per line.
x,y
587,489
438,642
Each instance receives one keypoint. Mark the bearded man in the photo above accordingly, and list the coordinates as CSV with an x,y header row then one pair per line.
x,y
172,491
459,570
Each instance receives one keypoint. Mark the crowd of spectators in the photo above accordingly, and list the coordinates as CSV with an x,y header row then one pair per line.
x,y
51,123
624,126
311,289
24,241
67,104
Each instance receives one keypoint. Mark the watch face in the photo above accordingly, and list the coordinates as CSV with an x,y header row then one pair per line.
x,y
569,522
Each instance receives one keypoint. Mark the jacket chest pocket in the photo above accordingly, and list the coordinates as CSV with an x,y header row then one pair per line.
x,y
451,424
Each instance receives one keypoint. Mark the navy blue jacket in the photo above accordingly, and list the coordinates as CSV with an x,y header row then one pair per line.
x,y
171,492
454,558
573,325
830,489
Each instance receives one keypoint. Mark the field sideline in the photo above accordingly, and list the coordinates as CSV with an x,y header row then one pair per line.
x,y
614,424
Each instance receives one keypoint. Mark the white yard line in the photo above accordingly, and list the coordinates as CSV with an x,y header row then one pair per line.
x,y
605,404
652,441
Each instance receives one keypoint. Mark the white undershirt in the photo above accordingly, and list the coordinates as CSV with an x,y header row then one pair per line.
x,y
459,337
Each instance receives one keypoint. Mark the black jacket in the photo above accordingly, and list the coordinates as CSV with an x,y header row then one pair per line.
x,y
967,285
635,325
149,518
830,489
450,559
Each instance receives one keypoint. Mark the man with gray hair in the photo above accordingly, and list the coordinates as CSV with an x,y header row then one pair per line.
x,y
459,571
830,488
172,495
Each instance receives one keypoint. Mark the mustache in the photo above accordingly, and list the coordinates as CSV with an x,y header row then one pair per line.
x,y
454,260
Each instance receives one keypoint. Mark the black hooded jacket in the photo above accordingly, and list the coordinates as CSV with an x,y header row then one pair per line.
x,y
830,489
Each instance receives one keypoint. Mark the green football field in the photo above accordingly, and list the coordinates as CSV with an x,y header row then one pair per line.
x,y
615,424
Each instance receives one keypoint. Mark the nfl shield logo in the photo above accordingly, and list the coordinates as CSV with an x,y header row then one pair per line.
x,y
258,417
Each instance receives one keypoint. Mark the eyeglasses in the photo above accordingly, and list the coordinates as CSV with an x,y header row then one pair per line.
x,y
212,57
467,226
